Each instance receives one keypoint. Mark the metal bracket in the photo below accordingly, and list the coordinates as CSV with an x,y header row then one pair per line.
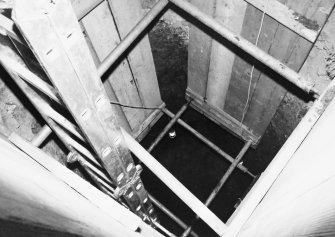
x,y
120,191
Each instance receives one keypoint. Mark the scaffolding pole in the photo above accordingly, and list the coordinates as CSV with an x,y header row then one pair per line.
x,y
222,181
132,36
168,126
248,47
209,143
175,186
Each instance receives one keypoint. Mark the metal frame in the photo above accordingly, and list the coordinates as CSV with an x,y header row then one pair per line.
x,y
101,179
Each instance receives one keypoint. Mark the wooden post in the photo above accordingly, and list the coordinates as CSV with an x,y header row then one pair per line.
x,y
229,13
199,49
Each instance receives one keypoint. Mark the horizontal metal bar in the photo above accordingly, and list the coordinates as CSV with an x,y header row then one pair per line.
x,y
207,142
41,136
222,181
110,207
247,47
178,188
131,36
170,214
168,126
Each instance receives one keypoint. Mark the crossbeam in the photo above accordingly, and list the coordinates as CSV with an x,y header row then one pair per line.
x,y
221,183
208,142
175,186
168,126
131,36
247,47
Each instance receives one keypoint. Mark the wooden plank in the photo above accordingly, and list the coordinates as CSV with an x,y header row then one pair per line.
x,y
175,186
306,28
310,214
145,127
199,49
315,67
229,13
31,194
61,49
83,7
237,95
104,39
291,50
301,202
127,13
221,118
322,105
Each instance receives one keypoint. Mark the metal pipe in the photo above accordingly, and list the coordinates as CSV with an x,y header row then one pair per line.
x,y
163,229
41,136
100,178
29,77
178,188
168,126
170,214
62,121
104,179
247,47
221,183
131,36
209,143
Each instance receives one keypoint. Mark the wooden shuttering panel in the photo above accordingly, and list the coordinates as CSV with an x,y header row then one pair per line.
x,y
133,80
224,91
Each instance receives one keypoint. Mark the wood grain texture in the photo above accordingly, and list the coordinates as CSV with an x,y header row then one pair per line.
x,y
83,7
301,200
104,39
266,93
127,13
221,118
31,194
292,50
199,51
323,105
237,95
229,13
315,68
306,28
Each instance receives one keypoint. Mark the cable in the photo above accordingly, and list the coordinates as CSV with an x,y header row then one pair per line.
x,y
133,107
251,74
